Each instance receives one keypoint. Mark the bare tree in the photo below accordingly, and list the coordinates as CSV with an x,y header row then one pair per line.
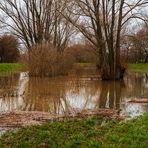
x,y
62,29
36,21
101,22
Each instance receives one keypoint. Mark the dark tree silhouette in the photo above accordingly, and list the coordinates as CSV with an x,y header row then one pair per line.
x,y
9,51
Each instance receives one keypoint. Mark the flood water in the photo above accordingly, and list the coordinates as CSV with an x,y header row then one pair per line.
x,y
62,95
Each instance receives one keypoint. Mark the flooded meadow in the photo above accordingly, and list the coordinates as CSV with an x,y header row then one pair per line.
x,y
66,94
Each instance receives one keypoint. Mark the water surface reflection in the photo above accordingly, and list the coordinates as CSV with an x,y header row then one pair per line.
x,y
62,95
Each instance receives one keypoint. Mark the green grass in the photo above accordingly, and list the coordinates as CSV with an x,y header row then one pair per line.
x,y
85,133
138,67
10,68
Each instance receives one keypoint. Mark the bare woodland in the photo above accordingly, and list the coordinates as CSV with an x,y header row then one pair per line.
x,y
103,23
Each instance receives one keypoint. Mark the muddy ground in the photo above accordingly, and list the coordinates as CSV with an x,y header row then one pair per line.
x,y
22,119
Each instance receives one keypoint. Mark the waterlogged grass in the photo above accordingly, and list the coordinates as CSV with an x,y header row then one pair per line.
x,y
80,133
83,65
138,67
10,68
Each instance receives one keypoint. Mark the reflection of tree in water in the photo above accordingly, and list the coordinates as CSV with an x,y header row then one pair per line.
x,y
110,94
8,92
136,85
87,95
42,92
55,95
9,82
64,94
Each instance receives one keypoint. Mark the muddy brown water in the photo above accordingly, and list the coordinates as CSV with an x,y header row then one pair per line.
x,y
65,94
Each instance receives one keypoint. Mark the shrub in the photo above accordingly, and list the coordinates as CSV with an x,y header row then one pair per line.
x,y
44,60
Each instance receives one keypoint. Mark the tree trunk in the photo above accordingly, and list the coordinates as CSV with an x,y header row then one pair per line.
x,y
110,72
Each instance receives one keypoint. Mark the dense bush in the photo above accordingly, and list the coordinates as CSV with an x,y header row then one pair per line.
x,y
9,52
44,60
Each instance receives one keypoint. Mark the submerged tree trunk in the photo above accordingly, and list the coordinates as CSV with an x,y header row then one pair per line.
x,y
110,69
112,74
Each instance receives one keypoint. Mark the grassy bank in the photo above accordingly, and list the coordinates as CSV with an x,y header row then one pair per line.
x,y
132,67
138,67
80,133
15,67
7,68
